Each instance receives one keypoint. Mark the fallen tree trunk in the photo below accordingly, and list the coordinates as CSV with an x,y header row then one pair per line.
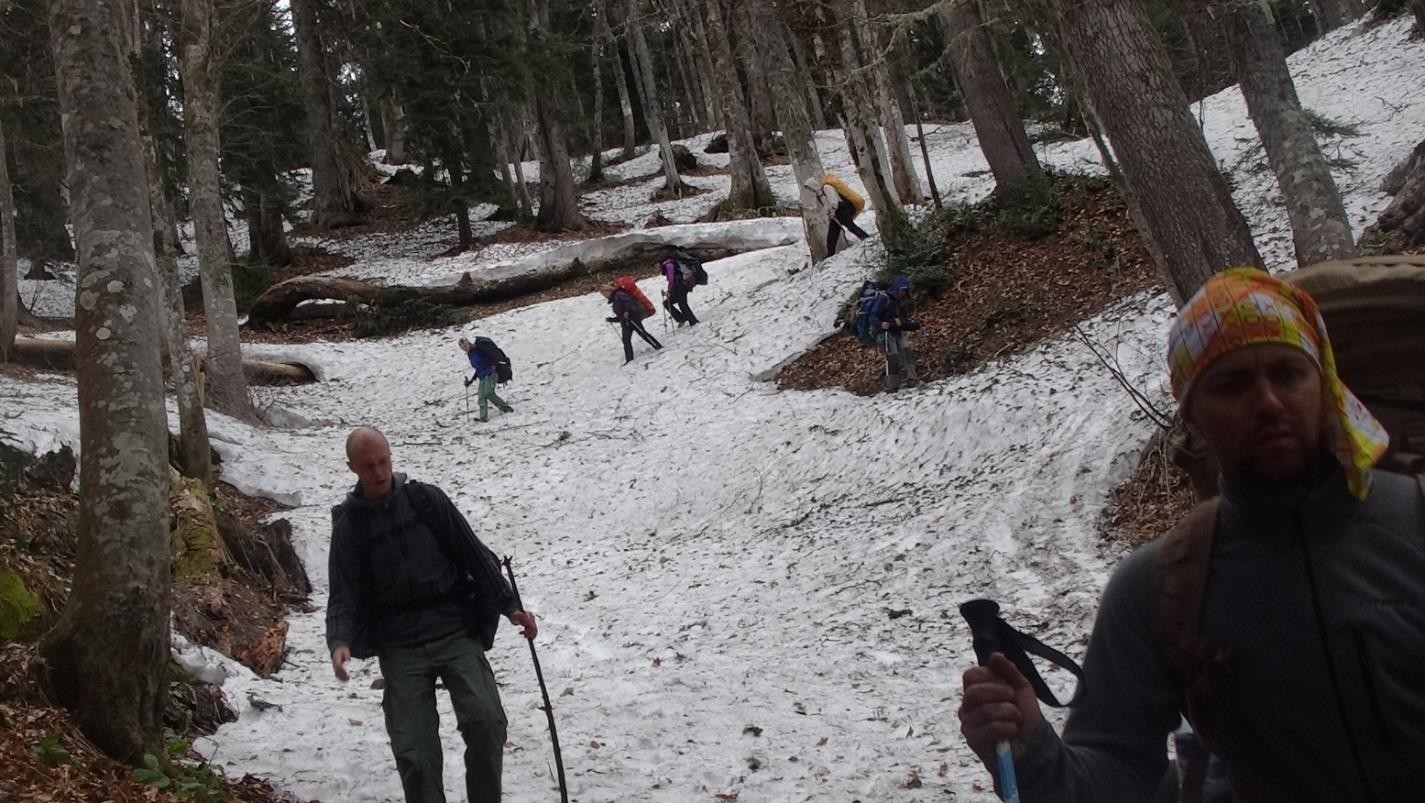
x,y
59,355
629,252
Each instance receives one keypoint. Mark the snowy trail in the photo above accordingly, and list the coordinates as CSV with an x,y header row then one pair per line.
x,y
716,563
710,554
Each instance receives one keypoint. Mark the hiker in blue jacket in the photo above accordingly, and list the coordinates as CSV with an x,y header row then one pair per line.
x,y
485,374
889,323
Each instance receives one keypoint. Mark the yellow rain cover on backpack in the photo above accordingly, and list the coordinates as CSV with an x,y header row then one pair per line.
x,y
846,192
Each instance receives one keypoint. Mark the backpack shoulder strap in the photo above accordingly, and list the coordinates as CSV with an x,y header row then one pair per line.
x,y
1179,584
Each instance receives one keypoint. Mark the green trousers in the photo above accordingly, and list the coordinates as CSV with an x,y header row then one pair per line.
x,y
414,725
487,395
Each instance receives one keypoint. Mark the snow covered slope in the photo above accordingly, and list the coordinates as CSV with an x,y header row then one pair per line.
x,y
742,591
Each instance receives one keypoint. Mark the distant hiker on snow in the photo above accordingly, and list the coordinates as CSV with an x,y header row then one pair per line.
x,y
630,307
841,204
889,320
491,366
683,272
1285,619
412,585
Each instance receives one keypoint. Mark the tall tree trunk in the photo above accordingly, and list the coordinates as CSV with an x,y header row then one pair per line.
x,y
558,193
863,132
625,103
693,13
1181,202
9,259
673,186
924,148
1417,7
106,656
1320,228
792,117
992,109
596,126
759,98
227,386
750,190
332,202
903,173
465,236
194,449
804,57
393,122
512,155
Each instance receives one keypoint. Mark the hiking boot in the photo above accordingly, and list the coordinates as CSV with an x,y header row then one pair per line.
x,y
507,409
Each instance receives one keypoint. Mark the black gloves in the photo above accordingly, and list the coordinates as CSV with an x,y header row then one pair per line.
x,y
468,381
612,320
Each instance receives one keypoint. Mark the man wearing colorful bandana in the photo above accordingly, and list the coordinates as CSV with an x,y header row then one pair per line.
x,y
1314,602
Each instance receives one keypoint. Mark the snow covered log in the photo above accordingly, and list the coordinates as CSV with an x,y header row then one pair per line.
x,y
59,355
631,251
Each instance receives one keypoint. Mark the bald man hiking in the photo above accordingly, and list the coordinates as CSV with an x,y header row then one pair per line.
x,y
412,585
1285,620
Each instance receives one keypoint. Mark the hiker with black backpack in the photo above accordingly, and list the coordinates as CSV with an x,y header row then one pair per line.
x,y
629,310
683,272
1285,619
491,367
411,584
888,321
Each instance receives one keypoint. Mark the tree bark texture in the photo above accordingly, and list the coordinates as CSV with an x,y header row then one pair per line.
x,y
267,236
511,126
1417,7
792,117
596,123
625,103
759,97
1319,225
998,126
673,186
332,202
1332,14
193,447
750,190
106,656
1182,203
227,390
9,259
903,175
393,124
558,193
1401,226
869,151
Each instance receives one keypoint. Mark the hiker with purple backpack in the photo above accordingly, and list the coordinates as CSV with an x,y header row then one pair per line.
x,y
1285,619
683,272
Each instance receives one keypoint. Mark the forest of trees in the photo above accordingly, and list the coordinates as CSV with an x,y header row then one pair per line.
x,y
122,119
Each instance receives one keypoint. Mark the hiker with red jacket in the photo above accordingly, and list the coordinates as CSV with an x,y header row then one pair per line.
x,y
628,313
1286,620
680,282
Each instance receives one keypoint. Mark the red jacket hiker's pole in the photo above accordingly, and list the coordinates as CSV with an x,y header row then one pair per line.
x,y
544,690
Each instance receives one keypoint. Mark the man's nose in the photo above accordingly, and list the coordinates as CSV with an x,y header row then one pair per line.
x,y
1268,397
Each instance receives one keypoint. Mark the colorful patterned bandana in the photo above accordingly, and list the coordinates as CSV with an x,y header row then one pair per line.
x,y
1246,306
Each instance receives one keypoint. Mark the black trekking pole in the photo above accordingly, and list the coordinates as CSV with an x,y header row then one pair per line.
x,y
544,690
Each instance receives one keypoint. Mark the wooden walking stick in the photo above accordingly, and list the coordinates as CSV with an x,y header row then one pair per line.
x,y
544,690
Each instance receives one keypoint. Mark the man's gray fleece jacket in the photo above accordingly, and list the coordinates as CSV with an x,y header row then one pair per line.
x,y
1322,596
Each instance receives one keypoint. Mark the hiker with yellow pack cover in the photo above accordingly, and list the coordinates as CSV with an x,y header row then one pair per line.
x,y
841,204
1285,619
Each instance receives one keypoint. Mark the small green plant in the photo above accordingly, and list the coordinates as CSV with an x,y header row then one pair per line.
x,y
1330,127
416,313
183,780
52,752
918,254
1030,209
17,605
